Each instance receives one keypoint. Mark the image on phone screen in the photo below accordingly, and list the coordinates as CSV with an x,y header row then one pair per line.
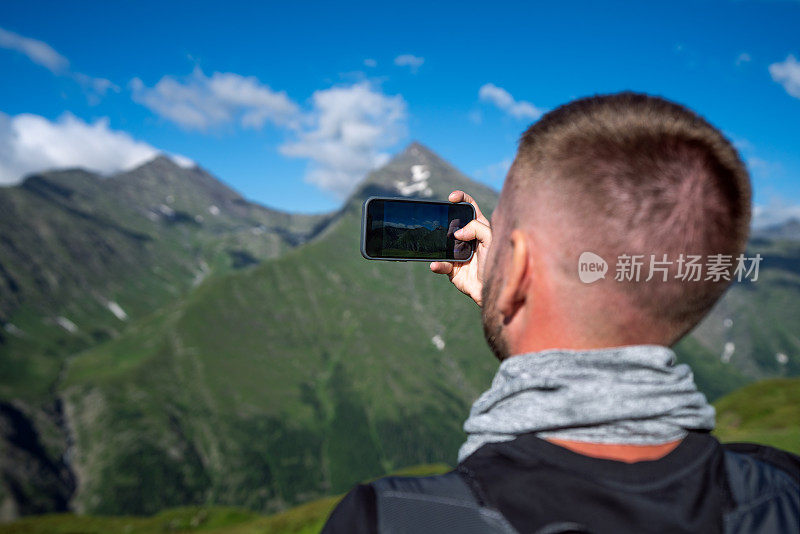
x,y
415,230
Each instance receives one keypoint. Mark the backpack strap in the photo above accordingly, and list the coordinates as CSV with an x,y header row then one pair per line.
x,y
764,485
784,460
443,504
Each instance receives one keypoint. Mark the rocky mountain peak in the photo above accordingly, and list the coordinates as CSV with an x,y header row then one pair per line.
x,y
418,172
788,230
162,162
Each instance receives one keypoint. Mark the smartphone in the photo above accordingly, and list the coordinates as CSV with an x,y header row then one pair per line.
x,y
402,229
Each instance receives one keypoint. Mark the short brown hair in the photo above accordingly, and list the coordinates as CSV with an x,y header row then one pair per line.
x,y
641,175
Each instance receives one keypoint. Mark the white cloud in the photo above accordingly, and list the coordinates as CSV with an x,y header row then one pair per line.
x,y
744,57
475,116
182,161
408,60
787,73
776,212
31,143
741,144
495,172
759,168
200,102
43,54
39,52
762,169
99,86
369,62
347,130
503,100
343,135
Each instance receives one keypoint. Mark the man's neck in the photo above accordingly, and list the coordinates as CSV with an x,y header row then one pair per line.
x,y
621,453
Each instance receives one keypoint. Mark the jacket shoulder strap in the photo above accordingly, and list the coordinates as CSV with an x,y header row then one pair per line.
x,y
764,485
442,504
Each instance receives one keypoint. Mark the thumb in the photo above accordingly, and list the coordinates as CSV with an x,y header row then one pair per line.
x,y
475,230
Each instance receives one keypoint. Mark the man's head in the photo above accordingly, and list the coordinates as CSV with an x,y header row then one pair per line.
x,y
624,174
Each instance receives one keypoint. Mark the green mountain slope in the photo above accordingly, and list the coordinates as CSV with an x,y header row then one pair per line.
x,y
752,331
286,381
765,412
81,254
307,518
81,257
758,320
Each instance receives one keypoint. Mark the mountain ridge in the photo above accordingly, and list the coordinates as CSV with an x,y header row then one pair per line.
x,y
82,257
259,320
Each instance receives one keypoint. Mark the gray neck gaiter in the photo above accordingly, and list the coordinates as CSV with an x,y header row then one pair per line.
x,y
632,395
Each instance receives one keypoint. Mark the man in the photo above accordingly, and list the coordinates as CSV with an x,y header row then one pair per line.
x,y
589,425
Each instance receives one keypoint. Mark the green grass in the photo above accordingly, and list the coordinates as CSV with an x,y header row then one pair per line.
x,y
766,412
306,518
189,519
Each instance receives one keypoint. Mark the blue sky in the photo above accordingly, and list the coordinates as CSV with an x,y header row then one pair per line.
x,y
291,103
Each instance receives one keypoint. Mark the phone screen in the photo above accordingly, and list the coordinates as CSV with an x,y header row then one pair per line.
x,y
416,230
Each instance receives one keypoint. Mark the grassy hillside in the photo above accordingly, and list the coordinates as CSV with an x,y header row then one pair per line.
x,y
81,257
765,412
306,518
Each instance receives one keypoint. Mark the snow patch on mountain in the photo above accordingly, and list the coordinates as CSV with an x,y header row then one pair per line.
x,y
418,183
117,310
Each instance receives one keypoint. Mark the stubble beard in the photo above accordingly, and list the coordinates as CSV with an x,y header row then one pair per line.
x,y
492,319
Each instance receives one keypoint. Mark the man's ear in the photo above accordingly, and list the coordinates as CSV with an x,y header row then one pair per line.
x,y
517,276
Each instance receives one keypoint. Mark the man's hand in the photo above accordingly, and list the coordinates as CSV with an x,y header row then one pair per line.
x,y
468,276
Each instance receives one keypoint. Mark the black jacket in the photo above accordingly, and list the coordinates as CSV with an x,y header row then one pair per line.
x,y
529,485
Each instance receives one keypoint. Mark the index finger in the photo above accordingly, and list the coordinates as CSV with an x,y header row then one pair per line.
x,y
461,196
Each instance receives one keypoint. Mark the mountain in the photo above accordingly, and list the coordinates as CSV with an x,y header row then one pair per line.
x,y
305,372
787,230
81,257
82,254
286,381
751,333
